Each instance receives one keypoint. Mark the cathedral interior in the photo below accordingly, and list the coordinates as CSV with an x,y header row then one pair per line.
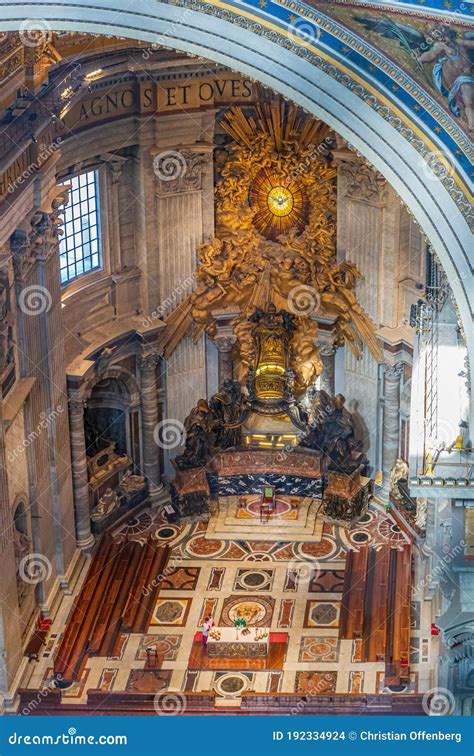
x,y
236,323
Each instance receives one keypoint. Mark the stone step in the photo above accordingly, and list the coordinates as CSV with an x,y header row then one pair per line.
x,y
307,527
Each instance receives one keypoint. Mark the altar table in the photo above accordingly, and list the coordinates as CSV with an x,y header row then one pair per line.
x,y
232,644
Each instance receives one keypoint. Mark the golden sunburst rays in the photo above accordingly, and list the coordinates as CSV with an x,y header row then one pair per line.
x,y
276,163
280,204
281,121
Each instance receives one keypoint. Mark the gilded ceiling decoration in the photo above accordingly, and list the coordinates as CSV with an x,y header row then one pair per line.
x,y
281,204
275,242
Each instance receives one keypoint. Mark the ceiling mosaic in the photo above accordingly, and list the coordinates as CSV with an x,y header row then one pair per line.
x,y
411,62
437,52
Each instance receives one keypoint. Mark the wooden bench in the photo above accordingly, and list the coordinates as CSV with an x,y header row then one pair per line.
x,y
376,607
118,595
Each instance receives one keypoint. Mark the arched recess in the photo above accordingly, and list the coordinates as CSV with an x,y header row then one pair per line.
x,y
112,412
292,76
118,373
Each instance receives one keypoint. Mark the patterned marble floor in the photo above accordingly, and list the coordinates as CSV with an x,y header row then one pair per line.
x,y
294,588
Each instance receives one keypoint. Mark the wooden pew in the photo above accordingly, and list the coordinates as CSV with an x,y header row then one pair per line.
x,y
118,595
71,650
353,595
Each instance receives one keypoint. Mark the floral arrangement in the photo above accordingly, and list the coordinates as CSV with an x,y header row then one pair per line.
x,y
215,634
240,623
260,635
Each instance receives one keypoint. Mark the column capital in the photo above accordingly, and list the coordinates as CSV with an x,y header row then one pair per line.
x,y
394,372
360,180
41,241
149,360
225,343
180,170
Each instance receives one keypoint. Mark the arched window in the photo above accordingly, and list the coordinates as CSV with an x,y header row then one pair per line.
x,y
80,248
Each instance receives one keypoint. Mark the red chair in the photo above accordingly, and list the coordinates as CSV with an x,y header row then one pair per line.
x,y
43,623
267,505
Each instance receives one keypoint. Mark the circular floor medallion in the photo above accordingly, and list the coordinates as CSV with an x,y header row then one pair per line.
x,y
254,579
231,685
166,533
255,610
202,547
360,536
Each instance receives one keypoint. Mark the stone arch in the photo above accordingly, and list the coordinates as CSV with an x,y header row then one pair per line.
x,y
383,142
117,372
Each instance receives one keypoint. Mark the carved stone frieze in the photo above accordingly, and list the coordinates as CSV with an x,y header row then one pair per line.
x,y
179,171
361,182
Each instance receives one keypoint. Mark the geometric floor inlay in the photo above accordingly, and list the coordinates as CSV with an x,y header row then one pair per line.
x,y
322,613
315,683
169,611
294,587
315,648
166,646
148,680
181,578
253,580
327,581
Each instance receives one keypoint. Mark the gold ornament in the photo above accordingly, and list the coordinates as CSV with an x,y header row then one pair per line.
x,y
275,243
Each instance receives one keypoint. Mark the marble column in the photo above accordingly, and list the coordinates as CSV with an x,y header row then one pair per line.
x,y
149,402
328,376
80,484
391,423
4,497
225,345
